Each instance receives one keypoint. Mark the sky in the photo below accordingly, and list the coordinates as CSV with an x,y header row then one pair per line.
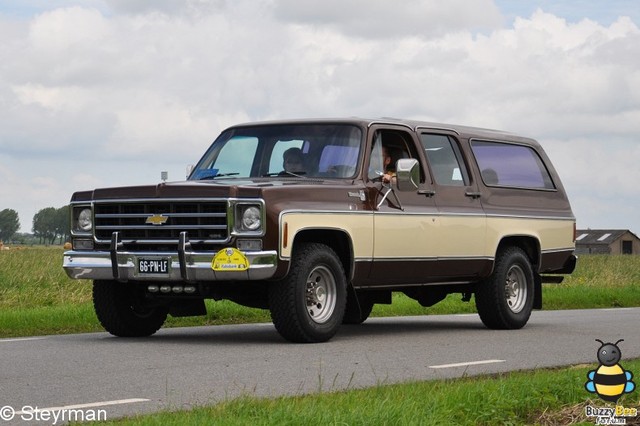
x,y
99,93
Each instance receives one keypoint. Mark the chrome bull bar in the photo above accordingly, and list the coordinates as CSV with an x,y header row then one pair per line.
x,y
185,264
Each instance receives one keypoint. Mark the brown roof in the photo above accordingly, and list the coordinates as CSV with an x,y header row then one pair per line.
x,y
412,124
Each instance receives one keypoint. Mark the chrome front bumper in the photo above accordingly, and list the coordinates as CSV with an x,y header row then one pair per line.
x,y
183,266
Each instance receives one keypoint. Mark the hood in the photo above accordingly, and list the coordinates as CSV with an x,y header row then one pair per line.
x,y
241,188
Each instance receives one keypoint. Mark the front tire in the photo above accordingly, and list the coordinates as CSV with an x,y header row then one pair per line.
x,y
308,305
505,299
121,311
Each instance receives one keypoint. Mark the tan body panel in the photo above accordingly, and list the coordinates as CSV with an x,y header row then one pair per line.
x,y
357,225
388,239
406,236
553,234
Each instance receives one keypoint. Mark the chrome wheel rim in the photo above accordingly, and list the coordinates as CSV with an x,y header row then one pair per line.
x,y
516,289
320,294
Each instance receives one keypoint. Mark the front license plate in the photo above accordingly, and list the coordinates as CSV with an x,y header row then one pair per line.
x,y
153,266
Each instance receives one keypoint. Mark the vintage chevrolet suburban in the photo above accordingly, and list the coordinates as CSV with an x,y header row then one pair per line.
x,y
466,210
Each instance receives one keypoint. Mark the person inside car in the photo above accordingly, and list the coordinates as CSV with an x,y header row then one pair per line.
x,y
389,169
293,162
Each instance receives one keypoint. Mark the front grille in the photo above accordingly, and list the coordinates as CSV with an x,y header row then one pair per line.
x,y
205,222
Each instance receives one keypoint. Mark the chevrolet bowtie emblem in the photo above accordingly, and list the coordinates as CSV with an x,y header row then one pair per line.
x,y
157,219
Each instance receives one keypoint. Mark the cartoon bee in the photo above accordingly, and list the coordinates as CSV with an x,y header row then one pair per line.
x,y
609,380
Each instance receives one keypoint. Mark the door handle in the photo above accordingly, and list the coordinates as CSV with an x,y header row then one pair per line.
x,y
427,192
473,194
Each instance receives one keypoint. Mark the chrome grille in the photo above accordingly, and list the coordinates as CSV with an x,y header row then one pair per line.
x,y
205,222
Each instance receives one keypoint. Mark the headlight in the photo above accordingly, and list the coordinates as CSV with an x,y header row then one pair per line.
x,y
84,220
249,219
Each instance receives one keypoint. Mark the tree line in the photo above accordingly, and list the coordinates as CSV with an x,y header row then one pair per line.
x,y
49,224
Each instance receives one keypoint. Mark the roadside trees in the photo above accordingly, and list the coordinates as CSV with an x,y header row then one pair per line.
x,y
9,224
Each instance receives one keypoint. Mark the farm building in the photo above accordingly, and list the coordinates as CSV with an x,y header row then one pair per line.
x,y
607,241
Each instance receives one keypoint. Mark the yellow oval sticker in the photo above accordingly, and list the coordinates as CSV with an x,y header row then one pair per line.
x,y
230,259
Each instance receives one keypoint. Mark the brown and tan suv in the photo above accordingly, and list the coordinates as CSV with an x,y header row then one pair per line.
x,y
360,209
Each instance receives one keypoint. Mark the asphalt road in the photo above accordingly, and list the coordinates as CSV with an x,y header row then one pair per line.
x,y
180,367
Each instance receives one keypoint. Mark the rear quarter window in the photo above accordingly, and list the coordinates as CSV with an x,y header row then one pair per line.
x,y
504,164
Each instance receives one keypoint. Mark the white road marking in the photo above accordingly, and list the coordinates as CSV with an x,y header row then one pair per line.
x,y
22,339
465,364
89,405
617,309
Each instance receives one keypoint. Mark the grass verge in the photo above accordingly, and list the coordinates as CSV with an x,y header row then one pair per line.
x,y
544,397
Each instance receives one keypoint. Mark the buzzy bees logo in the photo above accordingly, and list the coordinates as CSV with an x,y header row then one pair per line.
x,y
610,381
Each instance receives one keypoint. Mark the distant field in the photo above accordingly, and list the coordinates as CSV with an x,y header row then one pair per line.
x,y
36,296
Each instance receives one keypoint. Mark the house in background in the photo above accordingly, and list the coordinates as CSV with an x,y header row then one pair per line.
x,y
606,241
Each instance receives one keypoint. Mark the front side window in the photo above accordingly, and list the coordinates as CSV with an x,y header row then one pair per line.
x,y
387,147
377,167
504,164
290,150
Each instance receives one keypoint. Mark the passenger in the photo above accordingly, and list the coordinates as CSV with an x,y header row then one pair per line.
x,y
293,162
490,177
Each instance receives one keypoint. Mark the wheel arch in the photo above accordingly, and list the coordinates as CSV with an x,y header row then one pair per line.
x,y
337,239
529,244
531,247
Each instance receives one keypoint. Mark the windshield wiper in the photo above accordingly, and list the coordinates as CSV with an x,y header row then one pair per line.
x,y
285,173
211,177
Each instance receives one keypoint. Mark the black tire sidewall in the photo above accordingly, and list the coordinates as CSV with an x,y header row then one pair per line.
x,y
287,298
491,299
114,306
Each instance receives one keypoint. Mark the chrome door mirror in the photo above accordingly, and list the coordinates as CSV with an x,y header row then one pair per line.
x,y
408,174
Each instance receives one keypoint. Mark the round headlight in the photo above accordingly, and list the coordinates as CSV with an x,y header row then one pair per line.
x,y
251,218
84,220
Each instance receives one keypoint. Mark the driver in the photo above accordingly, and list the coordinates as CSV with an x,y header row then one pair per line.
x,y
293,162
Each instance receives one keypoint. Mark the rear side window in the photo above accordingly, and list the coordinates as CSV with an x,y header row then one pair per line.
x,y
445,159
503,164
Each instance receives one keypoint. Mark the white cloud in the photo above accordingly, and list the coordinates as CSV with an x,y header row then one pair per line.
x,y
113,92
379,19
601,175
72,30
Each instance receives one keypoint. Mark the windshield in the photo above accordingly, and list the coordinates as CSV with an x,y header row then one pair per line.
x,y
295,150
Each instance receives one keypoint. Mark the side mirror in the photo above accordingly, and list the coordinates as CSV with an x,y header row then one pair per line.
x,y
407,174
189,170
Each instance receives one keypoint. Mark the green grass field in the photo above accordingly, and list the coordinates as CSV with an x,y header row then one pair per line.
x,y
37,298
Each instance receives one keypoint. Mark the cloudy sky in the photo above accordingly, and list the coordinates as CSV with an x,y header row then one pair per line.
x,y
101,93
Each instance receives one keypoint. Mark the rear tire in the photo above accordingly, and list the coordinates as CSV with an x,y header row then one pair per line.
x,y
308,305
505,299
121,311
